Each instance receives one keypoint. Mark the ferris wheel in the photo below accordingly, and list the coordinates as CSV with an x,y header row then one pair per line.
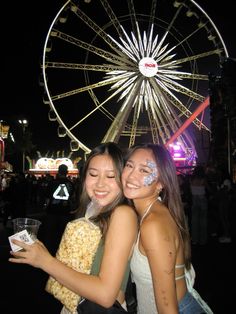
x,y
130,71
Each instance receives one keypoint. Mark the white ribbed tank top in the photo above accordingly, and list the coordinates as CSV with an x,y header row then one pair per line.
x,y
141,276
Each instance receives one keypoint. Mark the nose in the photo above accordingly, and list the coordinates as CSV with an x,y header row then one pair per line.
x,y
131,173
100,181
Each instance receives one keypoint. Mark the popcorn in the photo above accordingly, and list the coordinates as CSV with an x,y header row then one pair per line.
x,y
77,249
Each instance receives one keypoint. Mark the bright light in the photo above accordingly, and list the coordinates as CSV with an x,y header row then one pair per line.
x,y
24,121
176,4
176,147
177,155
189,13
24,124
45,163
12,137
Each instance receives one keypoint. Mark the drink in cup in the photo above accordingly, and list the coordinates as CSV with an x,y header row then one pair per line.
x,y
25,230
29,224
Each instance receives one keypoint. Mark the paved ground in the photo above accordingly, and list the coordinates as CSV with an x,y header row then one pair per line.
x,y
22,287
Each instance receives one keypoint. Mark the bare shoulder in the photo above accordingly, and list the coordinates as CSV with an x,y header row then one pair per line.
x,y
123,225
124,219
124,211
158,225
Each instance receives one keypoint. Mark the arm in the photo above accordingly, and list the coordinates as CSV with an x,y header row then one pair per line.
x,y
159,245
102,289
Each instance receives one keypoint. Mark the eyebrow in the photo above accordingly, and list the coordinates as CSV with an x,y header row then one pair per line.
x,y
143,165
146,166
96,169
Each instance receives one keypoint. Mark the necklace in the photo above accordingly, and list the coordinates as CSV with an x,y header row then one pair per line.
x,y
146,211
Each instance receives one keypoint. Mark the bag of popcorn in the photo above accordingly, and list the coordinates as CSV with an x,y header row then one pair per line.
x,y
77,249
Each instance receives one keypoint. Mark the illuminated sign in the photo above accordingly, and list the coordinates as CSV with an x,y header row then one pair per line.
x,y
50,163
148,67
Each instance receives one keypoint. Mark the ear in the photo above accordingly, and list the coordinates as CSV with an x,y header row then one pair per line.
x,y
159,187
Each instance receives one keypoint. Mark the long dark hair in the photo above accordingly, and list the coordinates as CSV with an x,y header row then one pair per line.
x,y
170,194
115,153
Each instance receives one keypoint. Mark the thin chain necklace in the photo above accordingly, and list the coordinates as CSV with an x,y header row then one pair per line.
x,y
146,211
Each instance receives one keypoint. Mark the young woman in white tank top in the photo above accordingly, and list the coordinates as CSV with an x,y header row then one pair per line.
x,y
160,264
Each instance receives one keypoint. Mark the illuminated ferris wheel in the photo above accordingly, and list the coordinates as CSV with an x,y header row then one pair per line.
x,y
130,71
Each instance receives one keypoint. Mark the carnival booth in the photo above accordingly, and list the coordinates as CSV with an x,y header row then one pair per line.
x,y
49,165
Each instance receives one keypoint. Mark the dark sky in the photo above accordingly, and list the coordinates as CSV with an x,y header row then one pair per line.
x,y
23,31
23,34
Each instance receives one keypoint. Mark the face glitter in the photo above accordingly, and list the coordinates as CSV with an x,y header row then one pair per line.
x,y
148,180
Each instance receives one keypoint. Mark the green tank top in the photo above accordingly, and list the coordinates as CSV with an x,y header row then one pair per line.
x,y
97,264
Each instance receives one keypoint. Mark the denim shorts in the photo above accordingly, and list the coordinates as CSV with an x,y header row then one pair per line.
x,y
189,305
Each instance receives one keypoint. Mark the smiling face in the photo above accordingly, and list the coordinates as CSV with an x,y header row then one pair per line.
x,y
100,182
140,175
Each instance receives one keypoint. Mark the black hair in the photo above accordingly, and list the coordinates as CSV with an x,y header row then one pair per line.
x,y
63,169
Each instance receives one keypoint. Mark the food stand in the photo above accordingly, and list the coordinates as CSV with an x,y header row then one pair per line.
x,y
50,166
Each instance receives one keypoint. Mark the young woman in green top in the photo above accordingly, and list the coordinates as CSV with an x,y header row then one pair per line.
x,y
101,181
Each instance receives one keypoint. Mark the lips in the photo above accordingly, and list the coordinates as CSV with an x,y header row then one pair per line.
x,y
100,194
131,185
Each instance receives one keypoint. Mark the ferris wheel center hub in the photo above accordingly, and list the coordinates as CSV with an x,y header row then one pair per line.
x,y
148,67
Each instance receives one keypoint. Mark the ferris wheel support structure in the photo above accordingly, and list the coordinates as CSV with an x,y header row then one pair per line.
x,y
202,107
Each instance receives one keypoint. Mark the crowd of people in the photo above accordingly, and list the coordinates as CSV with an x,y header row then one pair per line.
x,y
30,192
149,216
208,195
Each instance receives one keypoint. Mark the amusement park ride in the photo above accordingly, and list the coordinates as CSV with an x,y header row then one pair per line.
x,y
131,71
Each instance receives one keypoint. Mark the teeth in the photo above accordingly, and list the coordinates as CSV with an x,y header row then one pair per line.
x,y
100,193
131,186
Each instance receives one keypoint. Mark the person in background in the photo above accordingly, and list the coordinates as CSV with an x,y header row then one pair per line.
x,y
186,196
161,261
213,177
199,208
101,181
4,182
224,198
7,201
19,195
59,210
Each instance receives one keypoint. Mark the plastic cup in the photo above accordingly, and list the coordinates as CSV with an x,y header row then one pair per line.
x,y
29,224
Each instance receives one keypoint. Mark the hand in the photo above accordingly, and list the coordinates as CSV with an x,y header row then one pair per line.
x,y
35,254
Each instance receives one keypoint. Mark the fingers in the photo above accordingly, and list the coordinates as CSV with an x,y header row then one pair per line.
x,y
23,245
17,258
26,246
31,254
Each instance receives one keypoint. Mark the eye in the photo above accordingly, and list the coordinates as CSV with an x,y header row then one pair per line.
x,y
128,165
92,174
111,177
145,171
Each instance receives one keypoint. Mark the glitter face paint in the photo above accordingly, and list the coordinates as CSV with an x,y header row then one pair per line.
x,y
148,180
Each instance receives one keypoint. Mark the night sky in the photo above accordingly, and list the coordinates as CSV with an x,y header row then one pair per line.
x,y
23,31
